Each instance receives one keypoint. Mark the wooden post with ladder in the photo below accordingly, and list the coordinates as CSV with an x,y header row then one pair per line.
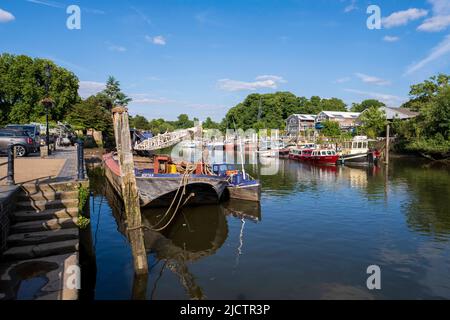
x,y
130,193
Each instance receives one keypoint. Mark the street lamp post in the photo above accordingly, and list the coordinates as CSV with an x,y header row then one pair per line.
x,y
47,103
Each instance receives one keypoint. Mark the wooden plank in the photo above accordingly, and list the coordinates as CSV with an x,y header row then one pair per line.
x,y
129,192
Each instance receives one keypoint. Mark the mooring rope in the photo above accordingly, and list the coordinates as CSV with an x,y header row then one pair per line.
x,y
183,185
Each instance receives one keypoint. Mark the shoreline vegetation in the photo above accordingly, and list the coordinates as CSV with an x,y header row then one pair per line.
x,y
24,82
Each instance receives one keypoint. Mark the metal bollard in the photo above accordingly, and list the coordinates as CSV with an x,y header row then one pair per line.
x,y
80,160
10,175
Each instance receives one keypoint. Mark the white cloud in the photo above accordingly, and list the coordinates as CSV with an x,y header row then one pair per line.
x,y
388,99
391,38
147,99
6,16
48,3
158,40
142,15
440,19
271,77
442,49
372,80
401,18
433,24
352,6
342,80
117,48
89,88
261,82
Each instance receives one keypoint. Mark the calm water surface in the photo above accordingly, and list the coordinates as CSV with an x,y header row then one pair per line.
x,y
313,237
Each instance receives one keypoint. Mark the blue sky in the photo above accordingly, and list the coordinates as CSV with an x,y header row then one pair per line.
x,y
203,57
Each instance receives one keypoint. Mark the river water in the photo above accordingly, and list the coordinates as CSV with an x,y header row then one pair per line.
x,y
313,236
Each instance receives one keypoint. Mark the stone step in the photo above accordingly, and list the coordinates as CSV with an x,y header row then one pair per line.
x,y
35,238
54,195
43,205
43,225
40,250
32,215
50,187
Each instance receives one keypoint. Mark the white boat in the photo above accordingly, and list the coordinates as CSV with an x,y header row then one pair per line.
x,y
357,151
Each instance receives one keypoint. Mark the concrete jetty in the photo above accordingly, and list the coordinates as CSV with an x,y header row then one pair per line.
x,y
40,237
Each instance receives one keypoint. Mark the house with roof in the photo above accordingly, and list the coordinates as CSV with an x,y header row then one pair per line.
x,y
299,123
398,113
346,120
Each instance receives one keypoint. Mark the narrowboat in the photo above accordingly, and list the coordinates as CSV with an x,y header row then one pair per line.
x,y
159,185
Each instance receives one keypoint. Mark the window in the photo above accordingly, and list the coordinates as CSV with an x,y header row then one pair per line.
x,y
329,153
359,145
324,153
355,145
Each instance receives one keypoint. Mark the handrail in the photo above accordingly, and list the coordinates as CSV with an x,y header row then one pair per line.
x,y
10,170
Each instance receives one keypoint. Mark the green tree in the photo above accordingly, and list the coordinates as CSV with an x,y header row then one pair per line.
x,y
366,104
331,129
23,83
210,124
113,92
373,122
86,115
183,122
333,104
139,122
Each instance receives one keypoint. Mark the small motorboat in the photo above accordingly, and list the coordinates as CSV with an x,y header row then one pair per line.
x,y
241,185
358,152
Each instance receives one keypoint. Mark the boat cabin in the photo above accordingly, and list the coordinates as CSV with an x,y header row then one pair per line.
x,y
359,145
323,153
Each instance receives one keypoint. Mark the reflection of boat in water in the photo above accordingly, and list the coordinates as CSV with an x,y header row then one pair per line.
x,y
195,233
243,209
158,189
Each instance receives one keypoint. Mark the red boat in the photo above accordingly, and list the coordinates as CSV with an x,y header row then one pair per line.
x,y
305,155
324,157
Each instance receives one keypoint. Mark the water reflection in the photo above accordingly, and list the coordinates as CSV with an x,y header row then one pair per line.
x,y
319,229
195,233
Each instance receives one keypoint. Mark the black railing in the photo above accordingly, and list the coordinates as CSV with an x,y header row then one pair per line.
x,y
10,163
80,160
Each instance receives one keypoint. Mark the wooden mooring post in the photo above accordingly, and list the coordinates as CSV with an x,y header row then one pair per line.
x,y
386,155
130,193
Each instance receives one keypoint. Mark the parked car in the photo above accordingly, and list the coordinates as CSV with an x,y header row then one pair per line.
x,y
43,140
21,140
33,130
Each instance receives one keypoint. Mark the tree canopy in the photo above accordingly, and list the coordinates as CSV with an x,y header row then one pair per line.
x,y
366,104
113,92
23,83
270,110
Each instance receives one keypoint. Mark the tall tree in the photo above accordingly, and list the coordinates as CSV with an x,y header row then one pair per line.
x,y
373,122
23,83
366,104
114,92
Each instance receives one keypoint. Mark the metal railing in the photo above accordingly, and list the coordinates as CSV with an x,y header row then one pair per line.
x,y
10,163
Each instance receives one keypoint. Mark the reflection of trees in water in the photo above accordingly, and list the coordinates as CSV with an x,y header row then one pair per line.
x,y
429,190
